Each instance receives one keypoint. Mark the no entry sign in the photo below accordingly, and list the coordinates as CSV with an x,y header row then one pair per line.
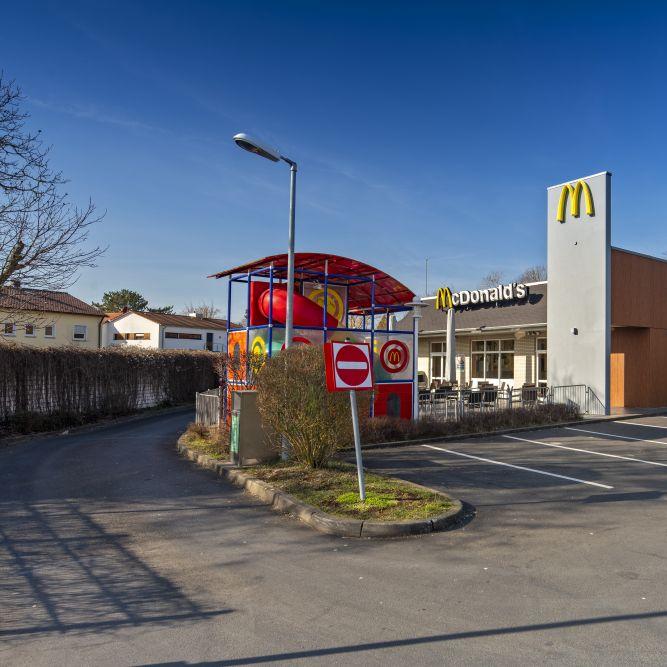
x,y
348,366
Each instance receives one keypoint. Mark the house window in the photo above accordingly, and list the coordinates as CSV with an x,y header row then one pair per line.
x,y
30,330
9,329
182,336
80,332
50,331
541,344
141,336
493,359
119,336
437,361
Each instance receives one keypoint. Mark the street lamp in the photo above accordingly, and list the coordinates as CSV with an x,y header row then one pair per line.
x,y
257,147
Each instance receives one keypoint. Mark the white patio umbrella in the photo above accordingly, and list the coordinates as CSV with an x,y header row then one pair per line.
x,y
450,359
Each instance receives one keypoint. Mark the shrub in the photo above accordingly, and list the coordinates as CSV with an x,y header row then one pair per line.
x,y
388,429
293,399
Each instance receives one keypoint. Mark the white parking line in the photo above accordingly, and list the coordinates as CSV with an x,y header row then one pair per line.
x,y
511,465
622,423
611,435
588,451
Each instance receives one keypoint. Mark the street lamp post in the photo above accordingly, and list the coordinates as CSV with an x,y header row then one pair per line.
x,y
257,147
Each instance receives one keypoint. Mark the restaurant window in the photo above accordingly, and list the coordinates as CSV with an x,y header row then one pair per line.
x,y
437,361
541,359
50,331
8,328
30,330
80,332
493,359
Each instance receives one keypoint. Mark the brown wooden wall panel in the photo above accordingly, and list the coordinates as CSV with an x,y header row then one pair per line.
x,y
638,290
630,367
658,366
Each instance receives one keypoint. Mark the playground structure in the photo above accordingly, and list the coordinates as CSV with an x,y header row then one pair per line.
x,y
361,305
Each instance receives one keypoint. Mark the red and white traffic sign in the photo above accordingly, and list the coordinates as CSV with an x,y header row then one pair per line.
x,y
348,366
394,356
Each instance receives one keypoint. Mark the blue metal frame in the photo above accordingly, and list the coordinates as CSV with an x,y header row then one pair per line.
x,y
306,275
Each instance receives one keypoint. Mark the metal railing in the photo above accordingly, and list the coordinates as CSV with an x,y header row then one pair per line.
x,y
454,403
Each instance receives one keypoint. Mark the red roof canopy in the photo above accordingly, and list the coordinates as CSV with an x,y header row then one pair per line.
x,y
388,291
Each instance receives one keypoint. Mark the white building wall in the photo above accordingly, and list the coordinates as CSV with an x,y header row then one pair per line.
x,y
219,339
131,323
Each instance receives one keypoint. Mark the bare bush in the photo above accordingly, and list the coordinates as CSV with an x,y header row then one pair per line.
x,y
293,399
389,429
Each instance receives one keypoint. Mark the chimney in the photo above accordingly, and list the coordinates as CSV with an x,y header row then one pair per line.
x,y
198,315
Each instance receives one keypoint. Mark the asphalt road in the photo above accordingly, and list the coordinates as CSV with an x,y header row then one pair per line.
x,y
114,551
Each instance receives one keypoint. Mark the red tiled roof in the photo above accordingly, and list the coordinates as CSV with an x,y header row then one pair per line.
x,y
44,301
184,321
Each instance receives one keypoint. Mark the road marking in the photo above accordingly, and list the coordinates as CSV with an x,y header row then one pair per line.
x,y
511,465
587,451
622,423
611,435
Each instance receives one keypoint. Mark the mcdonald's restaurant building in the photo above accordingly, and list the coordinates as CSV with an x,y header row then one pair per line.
x,y
600,321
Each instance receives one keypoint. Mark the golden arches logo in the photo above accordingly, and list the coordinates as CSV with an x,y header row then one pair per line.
x,y
443,299
258,346
574,192
335,306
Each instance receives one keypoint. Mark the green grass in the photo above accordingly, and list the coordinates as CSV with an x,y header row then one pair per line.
x,y
207,441
334,490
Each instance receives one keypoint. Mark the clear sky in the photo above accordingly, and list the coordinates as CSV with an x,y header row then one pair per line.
x,y
421,130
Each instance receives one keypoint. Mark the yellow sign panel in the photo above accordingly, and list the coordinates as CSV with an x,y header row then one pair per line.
x,y
443,299
574,192
335,304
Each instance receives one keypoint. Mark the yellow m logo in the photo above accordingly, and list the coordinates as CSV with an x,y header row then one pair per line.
x,y
574,191
443,299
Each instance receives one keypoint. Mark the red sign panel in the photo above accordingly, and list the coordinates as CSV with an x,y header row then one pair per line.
x,y
348,366
394,356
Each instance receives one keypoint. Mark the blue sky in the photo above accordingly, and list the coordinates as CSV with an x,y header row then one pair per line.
x,y
421,130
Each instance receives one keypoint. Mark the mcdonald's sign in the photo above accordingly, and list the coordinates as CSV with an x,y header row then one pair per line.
x,y
443,299
574,192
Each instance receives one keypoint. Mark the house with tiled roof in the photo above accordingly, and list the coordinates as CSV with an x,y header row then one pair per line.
x,y
164,332
48,318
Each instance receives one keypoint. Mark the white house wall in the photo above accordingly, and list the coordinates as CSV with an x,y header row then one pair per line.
x,y
219,339
132,323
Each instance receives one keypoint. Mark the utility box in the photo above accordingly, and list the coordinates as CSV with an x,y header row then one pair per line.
x,y
250,441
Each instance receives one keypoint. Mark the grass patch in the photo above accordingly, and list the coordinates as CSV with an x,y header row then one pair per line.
x,y
334,490
209,440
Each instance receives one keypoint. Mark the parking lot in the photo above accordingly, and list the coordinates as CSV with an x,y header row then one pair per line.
x,y
594,462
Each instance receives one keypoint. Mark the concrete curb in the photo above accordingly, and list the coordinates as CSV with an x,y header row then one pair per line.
x,y
319,520
487,434
146,413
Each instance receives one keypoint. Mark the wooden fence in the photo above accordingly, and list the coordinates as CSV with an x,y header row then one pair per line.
x,y
208,407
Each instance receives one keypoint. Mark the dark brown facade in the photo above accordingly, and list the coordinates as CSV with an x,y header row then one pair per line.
x,y
638,367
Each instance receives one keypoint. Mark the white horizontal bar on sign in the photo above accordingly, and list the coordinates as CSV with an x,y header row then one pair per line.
x,y
587,451
511,465
352,365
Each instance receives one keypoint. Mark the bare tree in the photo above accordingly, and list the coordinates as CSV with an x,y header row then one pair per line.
x,y
533,274
43,237
202,309
492,279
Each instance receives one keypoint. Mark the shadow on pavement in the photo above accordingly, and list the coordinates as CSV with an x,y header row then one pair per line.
x,y
63,572
415,641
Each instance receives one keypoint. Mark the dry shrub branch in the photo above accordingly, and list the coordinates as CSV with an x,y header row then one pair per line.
x,y
293,399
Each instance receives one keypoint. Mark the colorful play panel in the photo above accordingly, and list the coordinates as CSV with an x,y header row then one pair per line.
x,y
361,304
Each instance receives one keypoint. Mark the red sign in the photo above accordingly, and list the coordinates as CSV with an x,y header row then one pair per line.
x,y
394,356
348,366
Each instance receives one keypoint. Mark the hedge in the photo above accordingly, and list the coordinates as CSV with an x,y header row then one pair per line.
x,y
60,386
